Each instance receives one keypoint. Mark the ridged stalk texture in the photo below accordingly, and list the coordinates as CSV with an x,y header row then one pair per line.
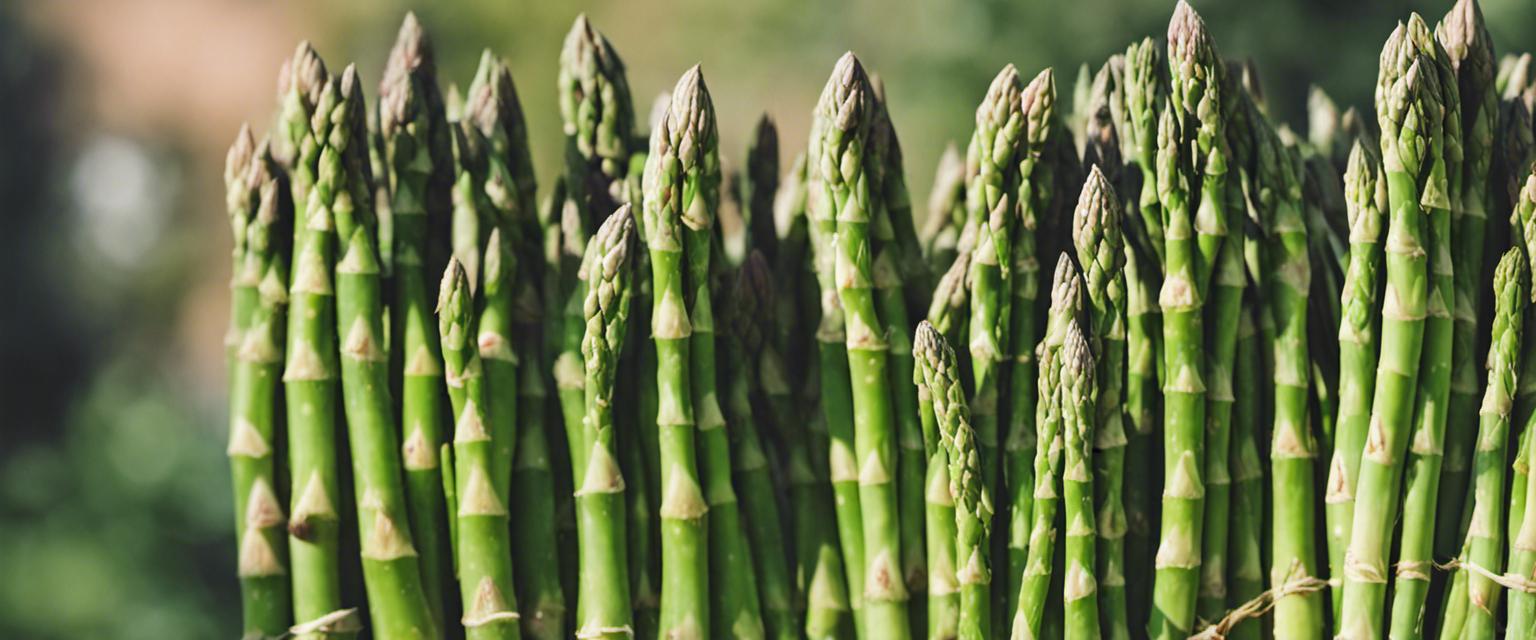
x,y
482,546
1427,447
391,571
846,109
1470,53
1359,340
1096,232
260,301
752,295
671,185
1067,307
408,125
968,490
1408,113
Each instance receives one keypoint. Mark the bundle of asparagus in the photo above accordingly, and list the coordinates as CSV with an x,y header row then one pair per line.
x,y
1281,333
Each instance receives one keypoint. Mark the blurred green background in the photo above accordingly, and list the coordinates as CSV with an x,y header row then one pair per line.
x,y
114,501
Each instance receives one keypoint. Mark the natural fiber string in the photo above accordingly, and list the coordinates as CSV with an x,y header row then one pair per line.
x,y
1259,605
1506,580
338,621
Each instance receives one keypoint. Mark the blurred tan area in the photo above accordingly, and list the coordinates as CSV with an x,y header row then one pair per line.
x,y
114,505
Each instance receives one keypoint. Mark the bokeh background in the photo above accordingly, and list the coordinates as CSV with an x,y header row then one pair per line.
x,y
115,508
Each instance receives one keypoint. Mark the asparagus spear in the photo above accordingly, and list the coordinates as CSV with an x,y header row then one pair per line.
x,y
991,194
1466,40
1408,108
396,594
751,296
846,109
1146,87
674,174
898,270
482,548
968,487
259,300
1245,578
818,563
604,593
1067,307
1101,250
690,122
1426,450
1484,543
1033,192
1525,395
1287,276
598,118
1503,369
510,343
832,356
949,298
1078,396
946,210
408,124
1359,341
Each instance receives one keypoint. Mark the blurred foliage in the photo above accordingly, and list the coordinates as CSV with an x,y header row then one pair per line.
x,y
114,497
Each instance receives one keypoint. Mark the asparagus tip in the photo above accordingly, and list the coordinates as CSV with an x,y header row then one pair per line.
x,y
238,160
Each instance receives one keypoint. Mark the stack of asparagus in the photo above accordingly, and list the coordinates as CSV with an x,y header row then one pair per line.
x,y
1291,325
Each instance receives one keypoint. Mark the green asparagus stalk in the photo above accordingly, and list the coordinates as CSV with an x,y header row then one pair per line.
x,y
481,541
968,489
898,271
1067,307
1427,447
1523,229
751,296
1078,420
846,109
598,116
673,178
1503,363
604,598
1408,111
1096,232
1245,578
818,580
1032,191
832,355
260,298
1359,340
407,125
1146,88
946,312
511,346
690,123
1466,40
896,199
1287,278
946,210
396,594
1484,544
991,194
